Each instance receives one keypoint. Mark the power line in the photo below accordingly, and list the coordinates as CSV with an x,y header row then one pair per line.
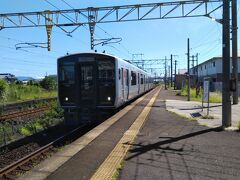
x,y
21,61
101,29
211,51
66,16
203,44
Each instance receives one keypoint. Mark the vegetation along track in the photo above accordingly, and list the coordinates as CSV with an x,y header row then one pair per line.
x,y
27,162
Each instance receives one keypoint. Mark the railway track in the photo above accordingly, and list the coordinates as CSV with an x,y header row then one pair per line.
x,y
17,106
4,173
23,113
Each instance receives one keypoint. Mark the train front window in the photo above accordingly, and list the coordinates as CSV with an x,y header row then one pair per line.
x,y
67,73
106,73
106,82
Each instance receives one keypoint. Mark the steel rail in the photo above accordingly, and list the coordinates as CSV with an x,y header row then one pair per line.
x,y
10,168
10,116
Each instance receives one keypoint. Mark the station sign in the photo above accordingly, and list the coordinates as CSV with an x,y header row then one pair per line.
x,y
206,91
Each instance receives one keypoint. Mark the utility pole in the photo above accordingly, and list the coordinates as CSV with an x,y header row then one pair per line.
x,y
171,70
165,76
234,50
193,59
169,74
175,74
226,104
188,64
197,66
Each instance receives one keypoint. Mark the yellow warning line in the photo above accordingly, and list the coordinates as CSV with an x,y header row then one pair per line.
x,y
112,162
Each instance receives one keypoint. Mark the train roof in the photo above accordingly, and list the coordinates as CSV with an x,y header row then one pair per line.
x,y
105,54
96,53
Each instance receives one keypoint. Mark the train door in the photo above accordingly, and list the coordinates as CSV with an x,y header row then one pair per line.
x,y
122,83
87,74
127,84
139,83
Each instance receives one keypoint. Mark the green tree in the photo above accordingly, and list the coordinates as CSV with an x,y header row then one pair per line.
x,y
48,83
3,89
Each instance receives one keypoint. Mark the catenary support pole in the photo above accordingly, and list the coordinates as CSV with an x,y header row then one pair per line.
x,y
188,66
165,76
171,70
235,50
226,103
197,66
175,73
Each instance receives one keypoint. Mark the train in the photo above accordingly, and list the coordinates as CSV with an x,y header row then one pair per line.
x,y
97,82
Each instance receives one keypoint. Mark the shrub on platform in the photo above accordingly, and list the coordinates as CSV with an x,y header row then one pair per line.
x,y
215,97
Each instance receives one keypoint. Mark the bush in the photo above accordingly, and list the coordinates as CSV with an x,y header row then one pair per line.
x,y
215,97
3,90
48,83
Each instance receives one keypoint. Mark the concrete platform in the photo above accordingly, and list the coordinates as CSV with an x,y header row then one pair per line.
x,y
173,147
145,141
191,109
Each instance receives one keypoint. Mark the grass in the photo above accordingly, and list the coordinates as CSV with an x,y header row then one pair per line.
x,y
208,117
238,126
16,92
31,128
215,97
53,116
116,174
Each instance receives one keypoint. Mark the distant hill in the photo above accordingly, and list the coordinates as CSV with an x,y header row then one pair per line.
x,y
24,78
27,78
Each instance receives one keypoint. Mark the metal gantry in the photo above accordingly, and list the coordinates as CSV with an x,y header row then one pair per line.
x,y
92,15
95,15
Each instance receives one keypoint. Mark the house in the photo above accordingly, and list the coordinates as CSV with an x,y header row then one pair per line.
x,y
10,78
213,68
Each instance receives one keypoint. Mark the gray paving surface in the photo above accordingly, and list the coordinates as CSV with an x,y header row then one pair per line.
x,y
171,147
85,163
189,108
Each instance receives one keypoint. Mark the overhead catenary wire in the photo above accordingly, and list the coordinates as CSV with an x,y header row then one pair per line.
x,y
22,61
100,29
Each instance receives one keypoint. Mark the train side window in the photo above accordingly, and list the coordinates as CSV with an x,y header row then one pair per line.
x,y
122,75
119,74
133,78
127,77
141,79
138,78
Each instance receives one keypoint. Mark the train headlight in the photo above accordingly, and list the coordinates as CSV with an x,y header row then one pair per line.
x,y
109,98
66,98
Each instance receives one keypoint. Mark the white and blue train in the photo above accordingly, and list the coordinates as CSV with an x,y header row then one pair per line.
x,y
89,82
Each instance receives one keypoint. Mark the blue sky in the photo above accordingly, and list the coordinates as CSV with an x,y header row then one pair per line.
x,y
155,39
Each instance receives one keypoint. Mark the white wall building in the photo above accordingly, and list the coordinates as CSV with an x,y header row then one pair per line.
x,y
213,68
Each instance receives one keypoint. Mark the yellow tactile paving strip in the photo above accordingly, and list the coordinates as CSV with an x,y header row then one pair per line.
x,y
112,162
